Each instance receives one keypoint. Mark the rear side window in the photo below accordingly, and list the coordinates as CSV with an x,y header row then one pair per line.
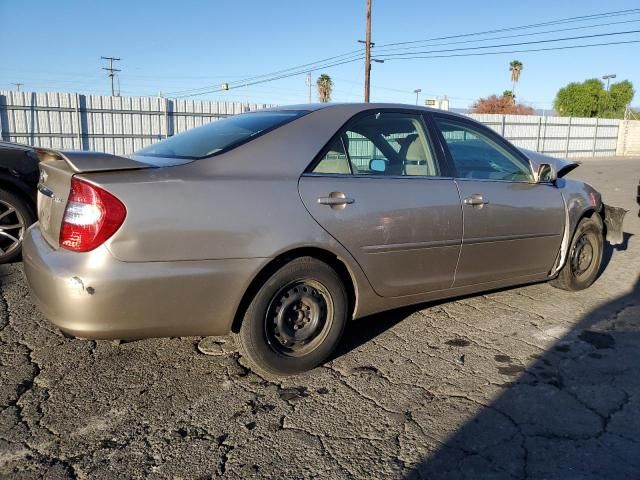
x,y
218,136
382,143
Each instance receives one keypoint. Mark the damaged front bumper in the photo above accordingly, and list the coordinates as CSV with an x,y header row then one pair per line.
x,y
613,218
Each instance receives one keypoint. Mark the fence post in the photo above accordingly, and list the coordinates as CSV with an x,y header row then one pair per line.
x,y
503,125
79,120
2,104
539,130
566,152
166,118
595,138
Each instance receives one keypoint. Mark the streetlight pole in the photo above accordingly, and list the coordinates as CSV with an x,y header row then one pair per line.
x,y
417,92
608,79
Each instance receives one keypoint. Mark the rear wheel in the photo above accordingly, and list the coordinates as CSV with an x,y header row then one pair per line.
x,y
15,218
584,257
295,320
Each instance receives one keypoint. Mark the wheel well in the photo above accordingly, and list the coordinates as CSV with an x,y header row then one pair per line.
x,y
323,255
588,213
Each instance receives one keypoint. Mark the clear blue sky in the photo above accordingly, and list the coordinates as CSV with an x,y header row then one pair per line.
x,y
170,46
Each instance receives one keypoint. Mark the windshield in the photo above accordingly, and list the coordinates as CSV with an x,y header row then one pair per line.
x,y
219,135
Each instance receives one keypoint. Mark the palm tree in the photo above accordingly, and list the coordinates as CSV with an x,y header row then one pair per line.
x,y
515,67
325,86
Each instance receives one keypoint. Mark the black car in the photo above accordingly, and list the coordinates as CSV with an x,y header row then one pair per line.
x,y
18,185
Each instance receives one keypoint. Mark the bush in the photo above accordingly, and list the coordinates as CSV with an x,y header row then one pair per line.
x,y
504,105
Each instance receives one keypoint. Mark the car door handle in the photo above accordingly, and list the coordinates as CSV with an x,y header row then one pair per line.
x,y
336,200
475,200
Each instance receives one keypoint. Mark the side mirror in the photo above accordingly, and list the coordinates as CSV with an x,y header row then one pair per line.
x,y
546,173
378,165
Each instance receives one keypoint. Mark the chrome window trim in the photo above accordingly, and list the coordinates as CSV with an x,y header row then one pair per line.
x,y
391,177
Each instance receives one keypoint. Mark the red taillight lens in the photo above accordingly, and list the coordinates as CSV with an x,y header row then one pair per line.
x,y
91,217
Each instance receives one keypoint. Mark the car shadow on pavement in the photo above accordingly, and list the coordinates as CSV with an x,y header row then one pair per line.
x,y
607,254
573,413
365,329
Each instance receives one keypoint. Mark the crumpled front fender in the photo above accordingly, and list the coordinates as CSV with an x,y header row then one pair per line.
x,y
613,218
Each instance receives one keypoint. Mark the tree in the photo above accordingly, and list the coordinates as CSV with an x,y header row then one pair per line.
x,y
620,94
515,67
503,105
590,99
325,87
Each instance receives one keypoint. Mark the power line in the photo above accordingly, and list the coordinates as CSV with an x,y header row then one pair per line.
x,y
566,47
256,82
518,35
582,18
356,55
307,66
531,42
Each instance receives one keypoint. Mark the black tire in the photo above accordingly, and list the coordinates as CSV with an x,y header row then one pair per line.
x,y
296,319
13,211
583,258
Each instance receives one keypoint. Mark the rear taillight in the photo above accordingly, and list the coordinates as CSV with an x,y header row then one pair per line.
x,y
91,217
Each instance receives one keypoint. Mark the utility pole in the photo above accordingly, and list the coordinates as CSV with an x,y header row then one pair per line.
x,y
417,92
309,84
111,71
18,85
367,55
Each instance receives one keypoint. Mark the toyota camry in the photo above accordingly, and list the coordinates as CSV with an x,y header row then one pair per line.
x,y
281,225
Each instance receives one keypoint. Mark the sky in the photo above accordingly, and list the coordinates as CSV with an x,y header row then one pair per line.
x,y
173,46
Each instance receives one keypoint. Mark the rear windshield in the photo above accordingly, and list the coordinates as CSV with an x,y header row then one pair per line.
x,y
219,135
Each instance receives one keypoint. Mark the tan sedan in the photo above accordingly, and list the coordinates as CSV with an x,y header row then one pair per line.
x,y
281,225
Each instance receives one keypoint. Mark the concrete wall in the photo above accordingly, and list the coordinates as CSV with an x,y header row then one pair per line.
x,y
629,138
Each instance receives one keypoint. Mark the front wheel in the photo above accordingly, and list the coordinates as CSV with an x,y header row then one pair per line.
x,y
296,319
584,257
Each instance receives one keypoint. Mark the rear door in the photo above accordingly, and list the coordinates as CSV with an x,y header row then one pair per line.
x,y
513,226
379,190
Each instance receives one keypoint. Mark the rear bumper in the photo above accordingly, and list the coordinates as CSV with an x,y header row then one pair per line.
x,y
93,295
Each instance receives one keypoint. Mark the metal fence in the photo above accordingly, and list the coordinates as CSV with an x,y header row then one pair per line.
x,y
117,125
556,136
122,125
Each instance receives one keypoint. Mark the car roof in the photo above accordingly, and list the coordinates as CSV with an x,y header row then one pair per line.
x,y
357,107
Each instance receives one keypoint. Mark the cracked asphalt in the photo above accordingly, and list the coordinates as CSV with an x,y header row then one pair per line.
x,y
529,382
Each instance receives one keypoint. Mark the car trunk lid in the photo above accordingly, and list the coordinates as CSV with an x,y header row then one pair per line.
x,y
56,170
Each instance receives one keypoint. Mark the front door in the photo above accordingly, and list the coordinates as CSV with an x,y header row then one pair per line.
x,y
513,226
377,190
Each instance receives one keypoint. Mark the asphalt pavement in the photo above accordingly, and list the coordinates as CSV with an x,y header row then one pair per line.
x,y
529,382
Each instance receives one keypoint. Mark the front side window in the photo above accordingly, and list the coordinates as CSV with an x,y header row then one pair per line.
x,y
383,143
476,155
218,136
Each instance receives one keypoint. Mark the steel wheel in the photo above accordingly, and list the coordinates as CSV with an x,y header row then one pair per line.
x,y
298,318
12,228
295,319
582,255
